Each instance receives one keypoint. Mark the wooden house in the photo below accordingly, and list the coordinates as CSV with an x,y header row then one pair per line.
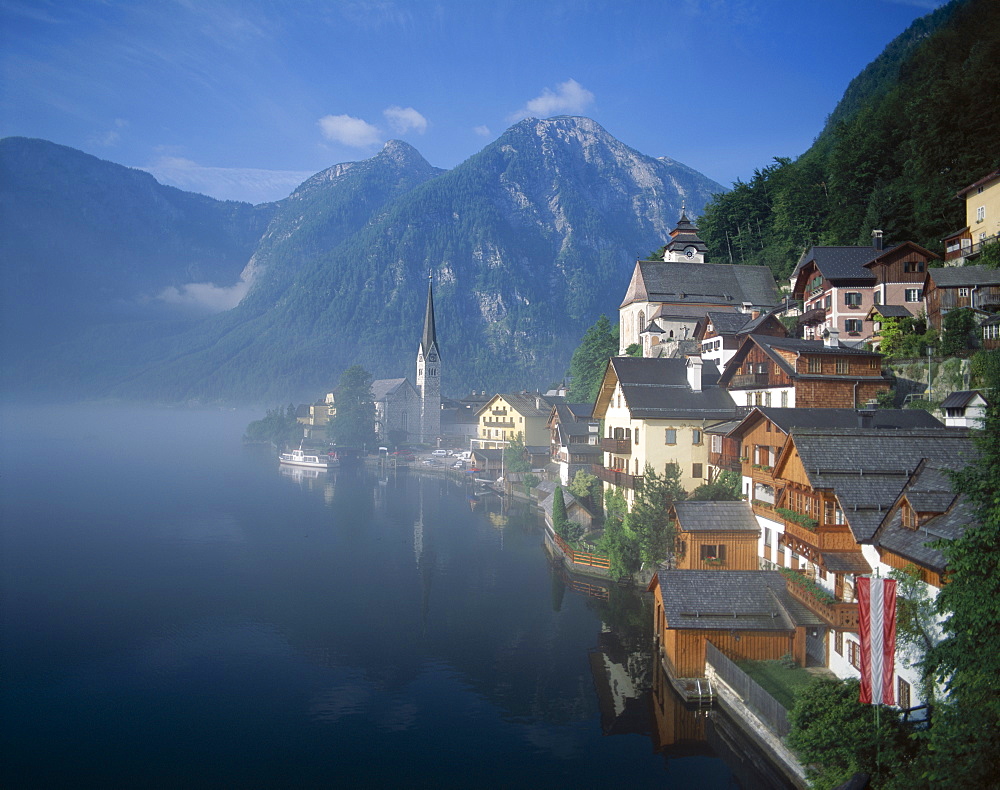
x,y
715,536
747,615
723,333
574,436
787,372
975,287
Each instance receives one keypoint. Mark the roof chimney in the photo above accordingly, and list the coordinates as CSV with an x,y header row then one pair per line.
x,y
866,418
877,240
694,372
833,337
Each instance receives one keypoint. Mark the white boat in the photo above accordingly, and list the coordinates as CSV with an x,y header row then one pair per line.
x,y
308,459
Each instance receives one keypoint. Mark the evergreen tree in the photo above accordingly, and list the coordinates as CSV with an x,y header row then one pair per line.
x,y
619,542
515,459
725,488
649,519
590,359
957,325
587,489
560,523
354,423
965,736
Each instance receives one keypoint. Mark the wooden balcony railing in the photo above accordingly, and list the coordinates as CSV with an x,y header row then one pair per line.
x,y
617,446
616,478
498,423
749,380
839,615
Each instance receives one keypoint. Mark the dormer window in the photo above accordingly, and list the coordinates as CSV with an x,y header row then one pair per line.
x,y
909,518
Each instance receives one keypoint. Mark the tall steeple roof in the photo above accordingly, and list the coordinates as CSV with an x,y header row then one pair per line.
x,y
429,338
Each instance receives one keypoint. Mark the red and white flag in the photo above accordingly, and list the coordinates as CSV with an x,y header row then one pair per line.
x,y
877,615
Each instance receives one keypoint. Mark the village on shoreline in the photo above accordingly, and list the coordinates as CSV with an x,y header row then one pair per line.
x,y
752,456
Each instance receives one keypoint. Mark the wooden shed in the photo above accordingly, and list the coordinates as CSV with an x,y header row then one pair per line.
x,y
716,536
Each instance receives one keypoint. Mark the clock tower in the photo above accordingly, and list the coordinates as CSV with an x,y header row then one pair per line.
x,y
429,376
685,246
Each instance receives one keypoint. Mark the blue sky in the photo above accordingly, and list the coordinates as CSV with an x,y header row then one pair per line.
x,y
244,100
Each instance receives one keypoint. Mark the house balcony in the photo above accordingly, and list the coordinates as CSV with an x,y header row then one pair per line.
x,y
724,461
839,615
617,478
498,423
617,446
748,380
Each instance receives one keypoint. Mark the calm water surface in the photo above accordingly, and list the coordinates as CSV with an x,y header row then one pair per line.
x,y
177,612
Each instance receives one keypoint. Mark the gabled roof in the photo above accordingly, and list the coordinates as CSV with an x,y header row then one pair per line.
x,y
955,276
716,517
898,248
527,404
786,420
717,600
889,311
657,389
701,283
981,182
868,469
962,398
840,263
727,323
382,388
772,345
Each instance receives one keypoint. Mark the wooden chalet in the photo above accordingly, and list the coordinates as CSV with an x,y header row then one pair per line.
x,y
975,287
715,536
747,615
787,372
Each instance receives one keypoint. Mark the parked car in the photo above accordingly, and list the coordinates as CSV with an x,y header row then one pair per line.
x,y
440,453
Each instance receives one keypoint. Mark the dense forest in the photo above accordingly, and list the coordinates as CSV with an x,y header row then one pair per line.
x,y
919,123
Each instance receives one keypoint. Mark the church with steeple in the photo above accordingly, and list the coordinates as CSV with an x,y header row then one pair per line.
x,y
429,375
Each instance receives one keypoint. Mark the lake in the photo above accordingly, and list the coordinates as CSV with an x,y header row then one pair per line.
x,y
179,612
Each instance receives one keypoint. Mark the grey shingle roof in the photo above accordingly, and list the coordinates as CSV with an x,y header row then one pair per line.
x,y
915,544
867,470
961,398
702,283
743,600
951,276
727,323
657,389
846,562
882,419
716,517
383,387
841,263
891,311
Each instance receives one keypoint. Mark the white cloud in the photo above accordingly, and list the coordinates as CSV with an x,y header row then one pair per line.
x,y
482,131
248,184
111,137
205,297
350,131
403,119
569,97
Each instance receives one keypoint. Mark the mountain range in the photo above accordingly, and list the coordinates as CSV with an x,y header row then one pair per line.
x,y
119,287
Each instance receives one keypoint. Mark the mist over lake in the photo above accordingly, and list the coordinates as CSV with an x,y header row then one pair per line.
x,y
178,612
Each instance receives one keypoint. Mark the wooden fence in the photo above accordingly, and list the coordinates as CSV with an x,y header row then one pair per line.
x,y
771,711
581,557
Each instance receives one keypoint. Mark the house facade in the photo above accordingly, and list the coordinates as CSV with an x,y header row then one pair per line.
x,y
787,372
982,220
397,411
506,415
655,412
574,436
715,536
975,287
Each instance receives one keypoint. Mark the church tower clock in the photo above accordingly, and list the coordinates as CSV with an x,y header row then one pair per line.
x,y
429,376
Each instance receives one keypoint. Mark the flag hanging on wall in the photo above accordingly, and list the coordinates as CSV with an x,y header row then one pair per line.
x,y
877,616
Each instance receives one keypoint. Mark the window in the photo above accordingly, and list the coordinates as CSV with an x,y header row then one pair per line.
x,y
908,516
903,695
913,266
853,325
767,536
843,365
913,295
767,398
964,292
784,399
852,299
696,436
696,471
877,297
716,443
670,436
854,653
980,213
713,552
828,302
838,642
815,365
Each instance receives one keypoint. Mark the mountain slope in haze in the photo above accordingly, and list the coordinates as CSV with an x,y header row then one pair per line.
x,y
83,240
527,242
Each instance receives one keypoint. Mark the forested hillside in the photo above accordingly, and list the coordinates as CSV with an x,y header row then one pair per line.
x,y
919,123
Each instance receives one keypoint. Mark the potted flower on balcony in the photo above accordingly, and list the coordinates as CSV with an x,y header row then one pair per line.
x,y
715,562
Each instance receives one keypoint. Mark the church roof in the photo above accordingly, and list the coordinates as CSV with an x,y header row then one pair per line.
x,y
429,337
723,284
381,388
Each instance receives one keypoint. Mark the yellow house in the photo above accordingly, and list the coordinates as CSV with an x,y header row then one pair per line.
x,y
982,219
655,412
506,415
